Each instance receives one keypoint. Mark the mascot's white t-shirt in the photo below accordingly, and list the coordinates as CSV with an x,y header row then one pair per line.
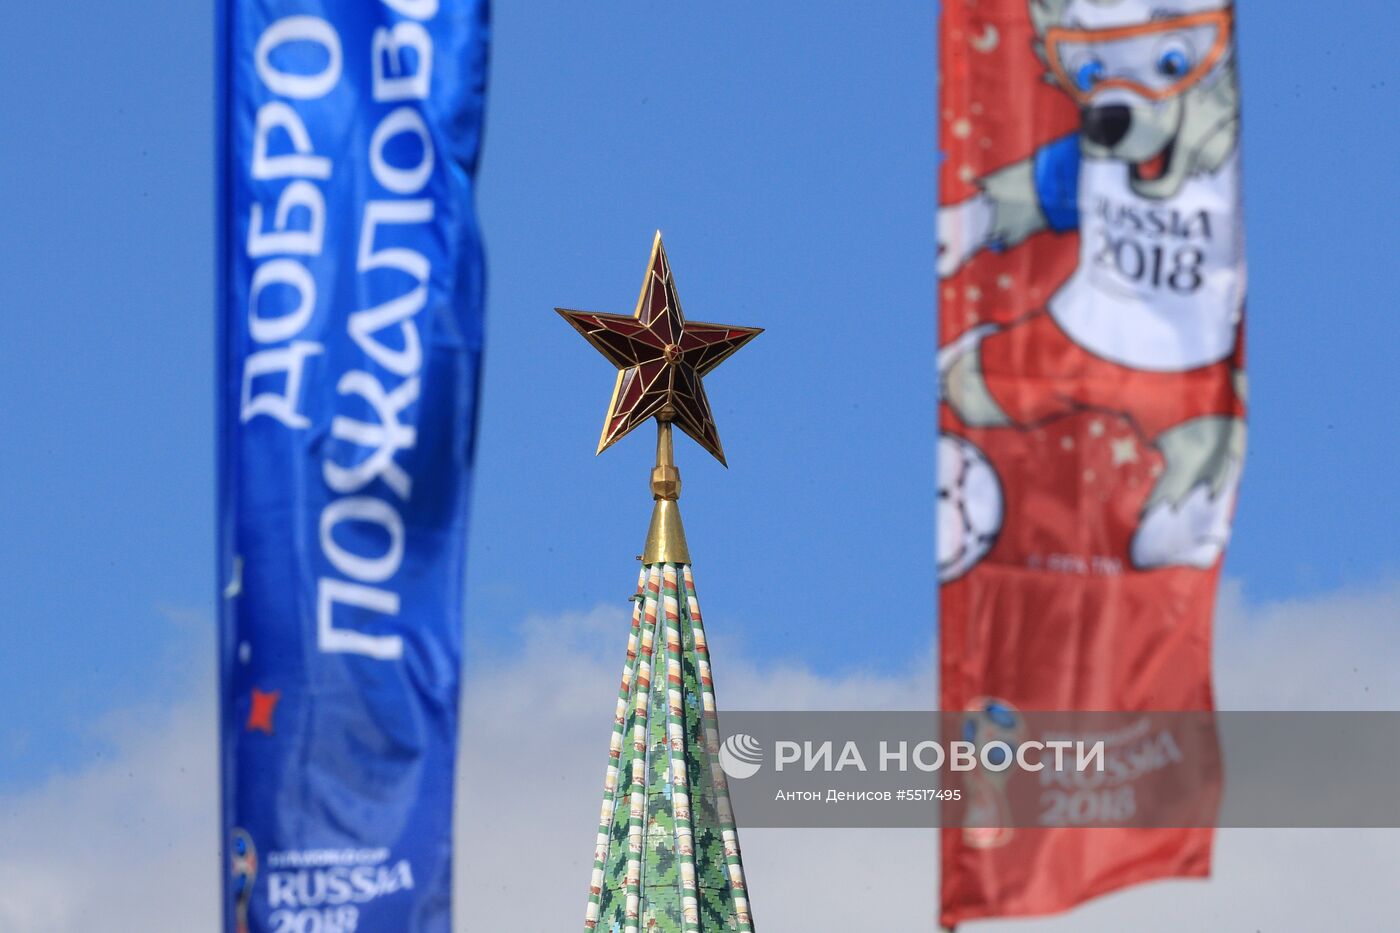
x,y
1160,282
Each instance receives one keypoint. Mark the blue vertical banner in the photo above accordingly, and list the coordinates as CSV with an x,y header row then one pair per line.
x,y
351,286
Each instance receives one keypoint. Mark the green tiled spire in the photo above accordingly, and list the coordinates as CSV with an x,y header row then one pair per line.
x,y
667,858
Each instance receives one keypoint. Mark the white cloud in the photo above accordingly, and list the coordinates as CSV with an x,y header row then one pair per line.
x,y
129,843
126,844
1338,652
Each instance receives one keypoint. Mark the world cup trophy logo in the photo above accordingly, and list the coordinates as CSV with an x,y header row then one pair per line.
x,y
987,823
243,869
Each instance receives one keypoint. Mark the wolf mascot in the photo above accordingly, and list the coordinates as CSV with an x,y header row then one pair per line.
x,y
1149,321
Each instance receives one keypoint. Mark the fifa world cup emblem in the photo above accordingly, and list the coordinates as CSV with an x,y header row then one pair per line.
x,y
988,819
243,869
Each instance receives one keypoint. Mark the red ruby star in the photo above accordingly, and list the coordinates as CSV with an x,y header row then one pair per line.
x,y
661,358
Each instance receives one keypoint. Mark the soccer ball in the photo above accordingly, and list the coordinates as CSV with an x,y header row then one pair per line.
x,y
969,507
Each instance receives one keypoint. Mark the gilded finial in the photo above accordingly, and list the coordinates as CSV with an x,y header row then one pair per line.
x,y
666,536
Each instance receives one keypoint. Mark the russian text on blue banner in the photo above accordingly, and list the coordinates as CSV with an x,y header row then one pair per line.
x,y
351,288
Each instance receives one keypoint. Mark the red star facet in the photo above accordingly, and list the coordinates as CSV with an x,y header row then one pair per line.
x,y
264,703
661,358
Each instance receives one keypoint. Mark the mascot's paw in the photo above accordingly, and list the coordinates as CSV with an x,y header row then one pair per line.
x,y
961,383
963,229
1186,521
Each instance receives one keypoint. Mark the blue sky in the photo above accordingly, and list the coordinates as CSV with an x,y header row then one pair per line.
x,y
786,150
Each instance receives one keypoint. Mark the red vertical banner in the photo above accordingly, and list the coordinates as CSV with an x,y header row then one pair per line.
x,y
1091,296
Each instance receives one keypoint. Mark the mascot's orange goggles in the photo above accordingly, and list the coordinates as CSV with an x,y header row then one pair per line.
x,y
1157,60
